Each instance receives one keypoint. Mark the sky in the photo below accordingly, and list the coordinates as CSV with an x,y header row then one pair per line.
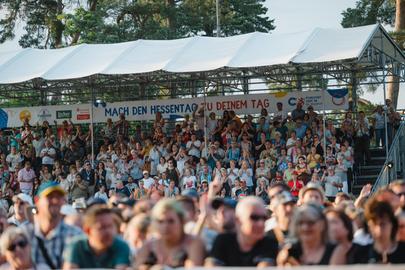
x,y
300,15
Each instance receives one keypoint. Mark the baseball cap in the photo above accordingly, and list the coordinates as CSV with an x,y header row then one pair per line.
x,y
127,202
48,187
284,198
191,193
95,201
312,186
23,197
219,201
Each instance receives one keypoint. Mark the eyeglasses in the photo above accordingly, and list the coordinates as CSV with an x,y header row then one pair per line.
x,y
21,244
307,222
400,194
256,218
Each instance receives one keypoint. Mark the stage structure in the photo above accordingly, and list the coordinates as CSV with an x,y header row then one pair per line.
x,y
202,66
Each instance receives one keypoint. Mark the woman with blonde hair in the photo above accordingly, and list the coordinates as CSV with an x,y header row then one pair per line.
x,y
16,248
137,230
171,246
309,235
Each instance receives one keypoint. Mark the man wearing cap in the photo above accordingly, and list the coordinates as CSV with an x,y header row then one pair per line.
x,y
147,180
284,205
313,193
224,217
21,204
249,246
49,233
26,177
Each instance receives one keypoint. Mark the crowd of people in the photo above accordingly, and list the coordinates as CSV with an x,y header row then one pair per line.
x,y
213,190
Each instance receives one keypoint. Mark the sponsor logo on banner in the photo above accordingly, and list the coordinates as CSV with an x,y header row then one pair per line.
x,y
66,114
25,114
44,114
338,96
82,114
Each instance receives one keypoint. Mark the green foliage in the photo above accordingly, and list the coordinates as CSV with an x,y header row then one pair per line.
x,y
56,23
369,12
236,17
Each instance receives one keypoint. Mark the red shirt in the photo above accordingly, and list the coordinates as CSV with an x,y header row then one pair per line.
x,y
295,191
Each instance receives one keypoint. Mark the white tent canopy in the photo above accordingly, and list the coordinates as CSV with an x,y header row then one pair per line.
x,y
195,54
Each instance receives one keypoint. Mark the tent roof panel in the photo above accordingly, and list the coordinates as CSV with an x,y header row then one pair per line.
x,y
147,56
194,54
327,45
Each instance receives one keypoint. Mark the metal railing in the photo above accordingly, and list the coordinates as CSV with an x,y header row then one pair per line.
x,y
394,162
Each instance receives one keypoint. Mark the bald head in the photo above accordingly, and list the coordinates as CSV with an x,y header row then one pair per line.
x,y
250,202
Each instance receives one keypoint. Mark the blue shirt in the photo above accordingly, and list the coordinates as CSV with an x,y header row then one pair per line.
x,y
300,131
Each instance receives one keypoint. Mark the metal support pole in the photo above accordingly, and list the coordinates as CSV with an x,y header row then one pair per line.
x,y
217,11
205,121
324,121
385,107
245,85
354,91
92,124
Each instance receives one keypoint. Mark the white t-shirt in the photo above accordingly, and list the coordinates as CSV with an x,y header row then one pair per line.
x,y
161,168
194,148
211,125
148,182
13,160
189,182
48,160
290,142
232,174
331,190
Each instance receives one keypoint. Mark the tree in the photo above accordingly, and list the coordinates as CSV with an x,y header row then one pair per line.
x,y
57,23
383,11
236,17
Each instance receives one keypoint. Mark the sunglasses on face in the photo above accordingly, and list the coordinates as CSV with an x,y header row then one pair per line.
x,y
21,244
256,218
307,222
400,194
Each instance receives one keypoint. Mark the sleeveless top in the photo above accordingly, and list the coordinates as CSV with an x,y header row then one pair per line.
x,y
296,252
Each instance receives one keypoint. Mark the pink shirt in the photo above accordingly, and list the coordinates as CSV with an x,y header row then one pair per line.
x,y
26,179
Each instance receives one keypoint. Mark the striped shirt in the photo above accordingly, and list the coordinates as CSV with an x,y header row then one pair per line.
x,y
55,242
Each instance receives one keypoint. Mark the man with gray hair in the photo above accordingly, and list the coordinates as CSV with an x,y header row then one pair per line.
x,y
248,246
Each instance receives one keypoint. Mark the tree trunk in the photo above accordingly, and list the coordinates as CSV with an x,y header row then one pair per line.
x,y
171,19
58,26
393,81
